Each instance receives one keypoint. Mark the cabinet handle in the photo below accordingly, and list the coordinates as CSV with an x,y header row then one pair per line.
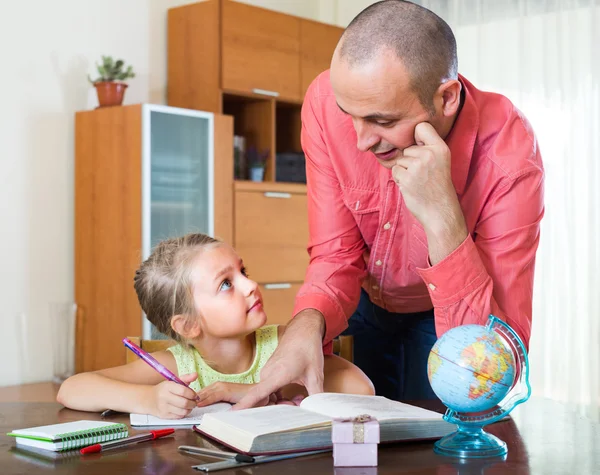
x,y
274,194
278,286
265,92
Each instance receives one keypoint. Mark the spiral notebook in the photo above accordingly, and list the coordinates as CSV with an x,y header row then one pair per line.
x,y
69,435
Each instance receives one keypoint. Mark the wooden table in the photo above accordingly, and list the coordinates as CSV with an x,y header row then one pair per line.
x,y
544,437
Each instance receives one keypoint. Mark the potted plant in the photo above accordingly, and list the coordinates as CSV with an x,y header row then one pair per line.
x,y
256,163
110,86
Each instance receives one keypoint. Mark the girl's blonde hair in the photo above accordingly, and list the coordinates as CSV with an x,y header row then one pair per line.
x,y
162,282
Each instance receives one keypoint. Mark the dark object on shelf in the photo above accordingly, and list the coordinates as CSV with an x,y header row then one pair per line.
x,y
290,167
239,157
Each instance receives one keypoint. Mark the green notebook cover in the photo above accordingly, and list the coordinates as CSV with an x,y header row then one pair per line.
x,y
69,435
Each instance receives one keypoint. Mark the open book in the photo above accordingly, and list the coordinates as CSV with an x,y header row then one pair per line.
x,y
194,417
280,429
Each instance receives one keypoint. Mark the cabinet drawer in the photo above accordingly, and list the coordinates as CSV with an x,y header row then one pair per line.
x,y
271,235
278,301
260,50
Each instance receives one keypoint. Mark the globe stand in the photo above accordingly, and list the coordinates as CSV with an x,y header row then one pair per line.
x,y
470,440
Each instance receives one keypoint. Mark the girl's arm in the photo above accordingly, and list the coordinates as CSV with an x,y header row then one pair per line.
x,y
341,376
134,387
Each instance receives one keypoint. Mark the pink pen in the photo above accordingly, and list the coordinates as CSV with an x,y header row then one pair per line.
x,y
148,358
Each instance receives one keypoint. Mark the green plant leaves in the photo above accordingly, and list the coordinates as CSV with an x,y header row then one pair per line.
x,y
111,70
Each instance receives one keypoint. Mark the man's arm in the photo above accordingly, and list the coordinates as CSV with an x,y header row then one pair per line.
x,y
336,246
469,279
494,272
332,285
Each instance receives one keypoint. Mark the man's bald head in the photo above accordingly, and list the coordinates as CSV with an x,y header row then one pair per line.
x,y
422,41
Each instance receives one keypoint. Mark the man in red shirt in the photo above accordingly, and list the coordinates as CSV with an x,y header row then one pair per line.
x,y
422,189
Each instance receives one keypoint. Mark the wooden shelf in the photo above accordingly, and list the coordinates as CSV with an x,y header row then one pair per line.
x,y
254,95
269,186
290,102
254,119
289,126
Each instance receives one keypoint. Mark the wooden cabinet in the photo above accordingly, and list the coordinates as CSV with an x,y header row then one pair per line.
x,y
260,51
218,46
142,173
255,65
317,44
271,233
194,57
278,301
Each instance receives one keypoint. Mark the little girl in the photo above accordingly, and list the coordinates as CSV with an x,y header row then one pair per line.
x,y
196,290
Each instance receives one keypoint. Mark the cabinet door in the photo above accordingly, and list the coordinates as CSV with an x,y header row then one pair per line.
x,y
317,44
271,234
108,232
178,190
261,50
278,301
193,56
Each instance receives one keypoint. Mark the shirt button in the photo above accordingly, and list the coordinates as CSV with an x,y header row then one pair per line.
x,y
378,263
432,286
375,287
387,226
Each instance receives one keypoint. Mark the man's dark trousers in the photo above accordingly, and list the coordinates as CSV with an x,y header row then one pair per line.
x,y
392,349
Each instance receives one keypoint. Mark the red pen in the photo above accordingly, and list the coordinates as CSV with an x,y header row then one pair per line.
x,y
154,434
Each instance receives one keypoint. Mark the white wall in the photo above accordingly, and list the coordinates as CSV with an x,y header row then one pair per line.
x,y
48,48
341,12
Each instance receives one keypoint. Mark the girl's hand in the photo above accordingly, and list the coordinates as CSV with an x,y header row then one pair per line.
x,y
171,400
225,392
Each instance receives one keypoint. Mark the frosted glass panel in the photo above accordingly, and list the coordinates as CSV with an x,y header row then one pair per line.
x,y
179,176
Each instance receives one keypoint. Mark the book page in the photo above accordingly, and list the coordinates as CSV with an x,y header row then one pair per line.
x,y
192,418
351,405
264,420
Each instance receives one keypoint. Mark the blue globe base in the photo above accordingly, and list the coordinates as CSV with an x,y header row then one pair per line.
x,y
470,442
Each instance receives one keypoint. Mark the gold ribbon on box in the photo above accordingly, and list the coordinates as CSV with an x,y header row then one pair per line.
x,y
358,427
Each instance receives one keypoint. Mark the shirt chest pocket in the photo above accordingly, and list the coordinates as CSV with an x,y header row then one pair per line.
x,y
364,206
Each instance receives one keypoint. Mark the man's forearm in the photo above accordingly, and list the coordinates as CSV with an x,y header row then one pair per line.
x,y
445,234
309,320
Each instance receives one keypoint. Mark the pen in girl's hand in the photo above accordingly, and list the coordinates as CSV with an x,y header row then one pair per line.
x,y
148,358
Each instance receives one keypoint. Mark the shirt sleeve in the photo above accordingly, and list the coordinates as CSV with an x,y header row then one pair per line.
x,y
337,267
492,271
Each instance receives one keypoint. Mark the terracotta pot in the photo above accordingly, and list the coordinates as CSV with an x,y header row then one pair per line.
x,y
110,93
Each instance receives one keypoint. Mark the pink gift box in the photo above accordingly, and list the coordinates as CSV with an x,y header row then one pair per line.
x,y
355,471
355,442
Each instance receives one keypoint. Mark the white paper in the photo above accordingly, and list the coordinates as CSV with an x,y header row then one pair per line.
x,y
351,405
266,420
192,418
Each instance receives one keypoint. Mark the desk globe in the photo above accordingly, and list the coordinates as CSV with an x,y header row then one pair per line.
x,y
480,373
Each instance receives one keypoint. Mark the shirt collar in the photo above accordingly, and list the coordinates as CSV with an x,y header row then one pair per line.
x,y
462,136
